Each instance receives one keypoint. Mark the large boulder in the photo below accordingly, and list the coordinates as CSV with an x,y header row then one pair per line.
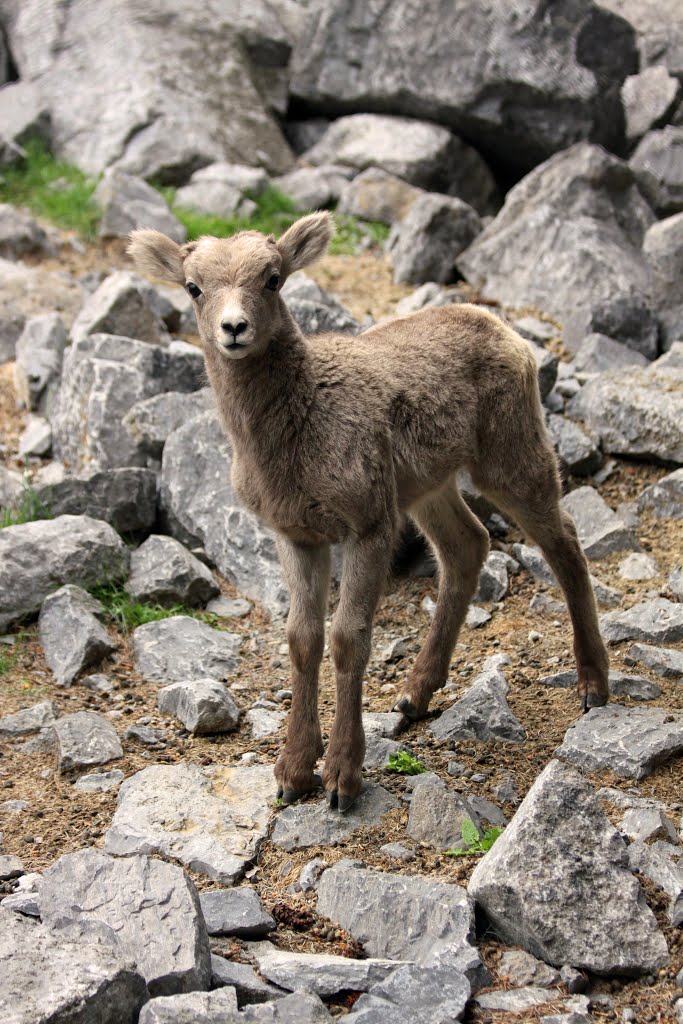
x,y
182,648
659,30
201,507
164,572
425,245
120,306
518,81
178,93
630,742
126,498
658,165
557,882
71,634
568,241
23,116
663,249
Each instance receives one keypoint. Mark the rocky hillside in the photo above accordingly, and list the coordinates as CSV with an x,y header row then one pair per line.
x,y
507,860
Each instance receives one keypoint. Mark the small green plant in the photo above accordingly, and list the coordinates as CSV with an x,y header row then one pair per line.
x,y
474,844
404,763
127,613
29,508
351,233
52,189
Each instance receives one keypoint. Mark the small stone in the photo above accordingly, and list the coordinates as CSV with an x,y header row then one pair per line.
x,y
385,723
638,567
544,604
235,912
202,705
661,863
476,617
249,988
145,735
396,851
414,993
192,1008
36,437
166,573
665,498
313,824
99,782
493,577
482,713
396,650
85,740
662,660
516,1000
264,722
72,637
573,979
10,867
29,720
647,824
437,814
600,530
319,972
226,608
620,684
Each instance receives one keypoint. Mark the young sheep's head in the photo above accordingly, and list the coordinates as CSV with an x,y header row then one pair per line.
x,y
234,282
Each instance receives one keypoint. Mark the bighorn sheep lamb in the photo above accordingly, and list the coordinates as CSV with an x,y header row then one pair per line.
x,y
335,437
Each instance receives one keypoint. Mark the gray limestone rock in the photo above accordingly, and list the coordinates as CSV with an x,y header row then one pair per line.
x,y
630,742
252,180
598,352
248,987
661,863
313,824
150,912
493,577
516,1000
216,198
425,245
10,867
119,306
181,648
203,706
26,896
531,559
164,572
437,813
38,557
312,188
36,438
576,449
665,498
378,750
39,353
649,98
656,621
201,506
314,309
620,684
597,918
25,292
547,365
24,117
638,566
402,917
264,721
128,203
21,235
296,1008
385,723
45,979
664,661
236,912
151,421
126,498
482,713
522,969
601,531
321,973
71,635
658,165
647,824
377,195
29,720
663,249
413,993
85,740
219,1007
99,782
212,819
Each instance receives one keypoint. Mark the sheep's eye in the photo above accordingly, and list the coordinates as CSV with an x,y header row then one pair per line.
x,y
193,289
272,282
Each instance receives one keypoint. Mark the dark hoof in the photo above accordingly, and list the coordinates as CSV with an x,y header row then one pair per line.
x,y
290,796
279,793
332,800
406,707
594,700
346,802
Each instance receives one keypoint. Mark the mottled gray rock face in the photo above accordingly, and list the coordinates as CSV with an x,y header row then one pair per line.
x,y
29,720
647,824
248,987
201,504
214,197
119,306
516,1000
36,437
126,498
312,188
377,195
313,824
576,449
314,309
657,163
482,713
636,412
597,917
402,917
493,578
531,559
157,133
649,98
39,353
661,863
663,249
437,813
297,1008
620,684
402,60
245,179
630,742
211,819
420,153
425,245
71,635
85,740
218,1007
600,530
567,241
657,622
145,909
318,972
38,557
182,648
152,420
44,979
21,235
202,705
164,572
413,993
103,377
99,782
236,912
128,203
638,567
662,660
520,969
23,116
264,721
665,498
598,352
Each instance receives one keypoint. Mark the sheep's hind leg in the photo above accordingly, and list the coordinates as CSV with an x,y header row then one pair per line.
x,y
366,563
460,544
307,571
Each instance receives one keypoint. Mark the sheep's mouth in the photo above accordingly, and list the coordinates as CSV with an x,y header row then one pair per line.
x,y
234,346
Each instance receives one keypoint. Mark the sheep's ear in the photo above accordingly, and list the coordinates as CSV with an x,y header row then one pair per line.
x,y
157,256
305,242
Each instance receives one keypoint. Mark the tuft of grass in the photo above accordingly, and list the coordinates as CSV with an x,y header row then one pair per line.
x,y
404,763
51,188
351,234
275,212
9,655
29,508
127,613
474,844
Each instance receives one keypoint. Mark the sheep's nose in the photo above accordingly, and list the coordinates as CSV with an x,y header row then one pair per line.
x,y
235,329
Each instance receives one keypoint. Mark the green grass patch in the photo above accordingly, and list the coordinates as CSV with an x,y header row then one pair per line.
x,y
474,845
403,763
52,189
351,234
275,212
9,655
28,509
127,613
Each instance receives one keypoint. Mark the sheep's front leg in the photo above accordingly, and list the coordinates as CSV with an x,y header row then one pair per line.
x,y
307,572
366,562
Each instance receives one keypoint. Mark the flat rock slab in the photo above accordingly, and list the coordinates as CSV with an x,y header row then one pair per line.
x,y
219,1007
630,742
202,705
665,498
71,635
401,917
236,912
146,909
411,994
181,648
29,720
85,740
579,904
661,863
656,622
620,684
314,824
211,819
664,661
99,782
517,999
319,972
45,979
37,558
244,979
600,530
482,714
